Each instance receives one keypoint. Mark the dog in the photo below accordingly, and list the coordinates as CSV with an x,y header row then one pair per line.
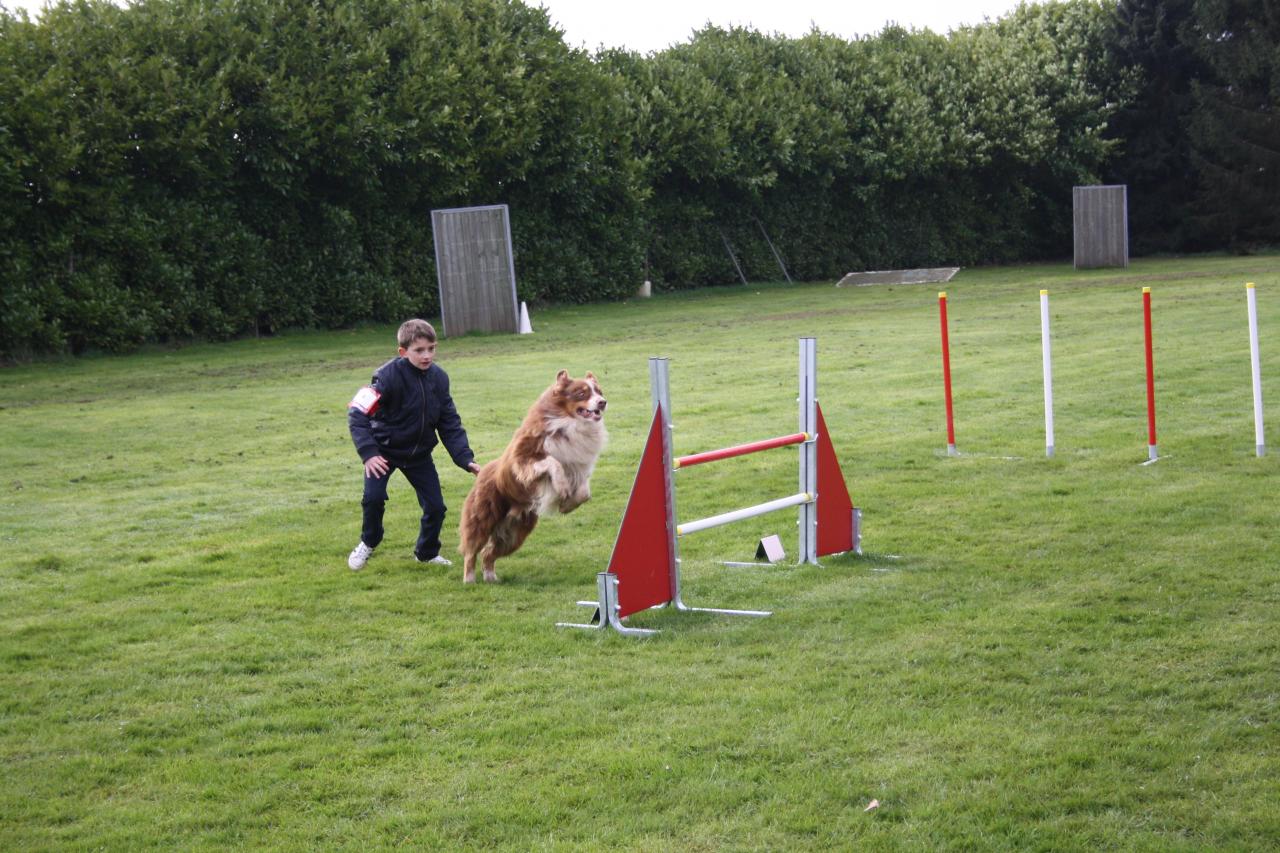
x,y
545,468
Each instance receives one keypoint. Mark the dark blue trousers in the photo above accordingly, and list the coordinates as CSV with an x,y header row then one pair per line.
x,y
426,482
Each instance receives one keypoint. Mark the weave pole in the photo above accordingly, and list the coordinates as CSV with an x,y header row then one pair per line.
x,y
1255,361
946,374
1152,454
1047,359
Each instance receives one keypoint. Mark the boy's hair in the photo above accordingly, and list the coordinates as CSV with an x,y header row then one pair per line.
x,y
411,330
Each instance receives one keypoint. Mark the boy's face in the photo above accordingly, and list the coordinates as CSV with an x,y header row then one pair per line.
x,y
420,353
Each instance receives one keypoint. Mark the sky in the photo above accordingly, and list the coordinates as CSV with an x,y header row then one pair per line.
x,y
649,25
657,24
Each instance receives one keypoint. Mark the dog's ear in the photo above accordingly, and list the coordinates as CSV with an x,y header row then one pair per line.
x,y
562,378
590,377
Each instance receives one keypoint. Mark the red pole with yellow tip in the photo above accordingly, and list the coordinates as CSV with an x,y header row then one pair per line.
x,y
1152,455
946,374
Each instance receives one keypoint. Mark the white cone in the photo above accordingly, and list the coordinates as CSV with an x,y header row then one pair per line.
x,y
525,327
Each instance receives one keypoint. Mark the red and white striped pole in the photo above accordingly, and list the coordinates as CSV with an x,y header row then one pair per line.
x,y
1151,377
739,450
946,374
1259,439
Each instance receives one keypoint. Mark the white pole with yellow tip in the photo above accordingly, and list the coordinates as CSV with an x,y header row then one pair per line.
x,y
1047,359
1259,439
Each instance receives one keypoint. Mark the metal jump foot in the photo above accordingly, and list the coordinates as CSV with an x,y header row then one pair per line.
x,y
608,607
684,608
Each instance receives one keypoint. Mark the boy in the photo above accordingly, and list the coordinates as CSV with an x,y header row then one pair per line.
x,y
394,422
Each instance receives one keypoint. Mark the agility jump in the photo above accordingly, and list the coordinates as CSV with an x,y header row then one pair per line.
x,y
644,570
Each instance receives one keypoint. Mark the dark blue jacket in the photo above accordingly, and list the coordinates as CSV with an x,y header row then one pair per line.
x,y
414,407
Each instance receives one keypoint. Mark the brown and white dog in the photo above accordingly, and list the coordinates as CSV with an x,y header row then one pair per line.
x,y
546,467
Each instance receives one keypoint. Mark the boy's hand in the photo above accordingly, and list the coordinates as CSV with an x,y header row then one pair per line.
x,y
473,468
376,466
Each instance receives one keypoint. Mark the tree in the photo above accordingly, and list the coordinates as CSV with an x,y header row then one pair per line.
x,y
1155,157
1236,127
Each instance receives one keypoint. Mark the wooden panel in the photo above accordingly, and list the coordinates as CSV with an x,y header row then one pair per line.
x,y
476,270
1101,219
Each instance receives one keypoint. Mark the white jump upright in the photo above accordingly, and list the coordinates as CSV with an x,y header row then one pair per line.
x,y
644,570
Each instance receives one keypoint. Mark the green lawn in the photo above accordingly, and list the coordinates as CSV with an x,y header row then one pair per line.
x,y
1033,654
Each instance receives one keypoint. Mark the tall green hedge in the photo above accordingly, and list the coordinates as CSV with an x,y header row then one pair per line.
x,y
212,168
899,150
215,168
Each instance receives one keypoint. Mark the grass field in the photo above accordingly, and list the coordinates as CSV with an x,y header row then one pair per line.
x,y
1032,654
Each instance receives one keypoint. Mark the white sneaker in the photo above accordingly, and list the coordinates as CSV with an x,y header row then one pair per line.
x,y
437,560
359,556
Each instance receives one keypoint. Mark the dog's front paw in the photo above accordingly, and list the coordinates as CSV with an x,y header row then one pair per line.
x,y
563,490
577,499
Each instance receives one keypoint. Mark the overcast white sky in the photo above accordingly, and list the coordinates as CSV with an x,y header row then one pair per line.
x,y
657,24
647,25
